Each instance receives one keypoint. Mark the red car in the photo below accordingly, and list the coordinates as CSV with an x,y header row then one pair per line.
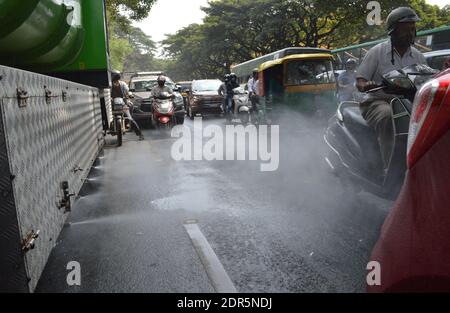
x,y
414,248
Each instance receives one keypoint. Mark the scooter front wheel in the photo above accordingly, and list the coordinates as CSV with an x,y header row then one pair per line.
x,y
244,117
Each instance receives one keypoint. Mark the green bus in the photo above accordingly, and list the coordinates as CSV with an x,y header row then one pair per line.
x,y
427,41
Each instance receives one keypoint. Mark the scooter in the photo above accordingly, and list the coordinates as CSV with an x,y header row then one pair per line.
x,y
354,154
163,116
242,105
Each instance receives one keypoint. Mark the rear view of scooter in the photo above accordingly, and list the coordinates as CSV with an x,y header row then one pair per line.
x,y
242,105
354,153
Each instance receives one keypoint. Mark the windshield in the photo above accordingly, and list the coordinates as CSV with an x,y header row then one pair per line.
x,y
206,85
309,72
185,86
147,85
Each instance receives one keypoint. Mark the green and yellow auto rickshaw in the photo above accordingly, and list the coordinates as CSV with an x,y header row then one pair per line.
x,y
302,82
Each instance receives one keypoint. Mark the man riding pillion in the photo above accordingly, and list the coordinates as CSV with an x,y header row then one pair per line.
x,y
347,81
394,54
120,90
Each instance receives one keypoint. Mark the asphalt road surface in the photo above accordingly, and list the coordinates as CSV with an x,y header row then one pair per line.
x,y
292,230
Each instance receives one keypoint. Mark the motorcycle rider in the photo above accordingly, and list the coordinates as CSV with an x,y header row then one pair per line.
x,y
347,81
161,87
223,92
226,90
393,54
120,90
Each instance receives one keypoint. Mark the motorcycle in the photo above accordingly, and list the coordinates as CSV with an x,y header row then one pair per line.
x,y
354,152
163,111
117,127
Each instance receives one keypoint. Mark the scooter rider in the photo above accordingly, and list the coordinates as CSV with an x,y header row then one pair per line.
x,y
226,90
223,92
394,54
347,81
120,90
161,87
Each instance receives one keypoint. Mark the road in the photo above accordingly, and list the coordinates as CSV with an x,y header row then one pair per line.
x,y
293,230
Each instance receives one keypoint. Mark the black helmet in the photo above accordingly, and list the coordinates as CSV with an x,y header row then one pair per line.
x,y
400,15
161,78
351,61
233,76
115,75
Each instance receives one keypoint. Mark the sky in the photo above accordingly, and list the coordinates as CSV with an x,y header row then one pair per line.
x,y
169,16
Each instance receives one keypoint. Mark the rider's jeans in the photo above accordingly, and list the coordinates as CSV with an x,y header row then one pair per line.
x,y
134,126
378,115
229,102
255,102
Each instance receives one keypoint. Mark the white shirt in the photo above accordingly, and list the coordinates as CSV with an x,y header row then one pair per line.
x,y
256,87
377,62
251,85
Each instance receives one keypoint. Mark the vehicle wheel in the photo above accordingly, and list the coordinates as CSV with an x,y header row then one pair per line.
x,y
191,114
349,185
244,117
179,120
153,123
119,132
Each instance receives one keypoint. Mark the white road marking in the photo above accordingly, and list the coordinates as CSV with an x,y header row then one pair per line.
x,y
215,270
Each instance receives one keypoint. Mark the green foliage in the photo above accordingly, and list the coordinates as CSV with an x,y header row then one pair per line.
x,y
130,48
120,49
234,31
135,9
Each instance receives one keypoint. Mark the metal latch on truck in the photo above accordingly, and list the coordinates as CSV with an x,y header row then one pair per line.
x,y
65,202
29,242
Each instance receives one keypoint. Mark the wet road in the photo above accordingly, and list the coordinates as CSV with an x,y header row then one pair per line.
x,y
293,230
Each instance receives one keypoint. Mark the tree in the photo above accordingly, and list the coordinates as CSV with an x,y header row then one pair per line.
x,y
130,47
135,9
235,31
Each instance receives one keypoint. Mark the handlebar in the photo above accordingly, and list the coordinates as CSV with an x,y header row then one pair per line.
x,y
378,88
164,98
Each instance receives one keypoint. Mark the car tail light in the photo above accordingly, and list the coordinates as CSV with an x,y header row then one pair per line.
x,y
430,118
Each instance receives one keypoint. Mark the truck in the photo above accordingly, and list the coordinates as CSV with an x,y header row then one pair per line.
x,y
55,111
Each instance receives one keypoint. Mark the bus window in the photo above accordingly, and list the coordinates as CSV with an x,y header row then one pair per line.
x,y
309,72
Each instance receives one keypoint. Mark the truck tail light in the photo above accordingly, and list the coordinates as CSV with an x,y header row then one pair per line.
x,y
430,118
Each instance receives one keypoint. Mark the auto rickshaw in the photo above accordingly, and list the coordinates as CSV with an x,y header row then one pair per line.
x,y
303,82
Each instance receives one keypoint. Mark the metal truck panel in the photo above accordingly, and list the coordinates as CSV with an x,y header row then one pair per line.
x,y
51,136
